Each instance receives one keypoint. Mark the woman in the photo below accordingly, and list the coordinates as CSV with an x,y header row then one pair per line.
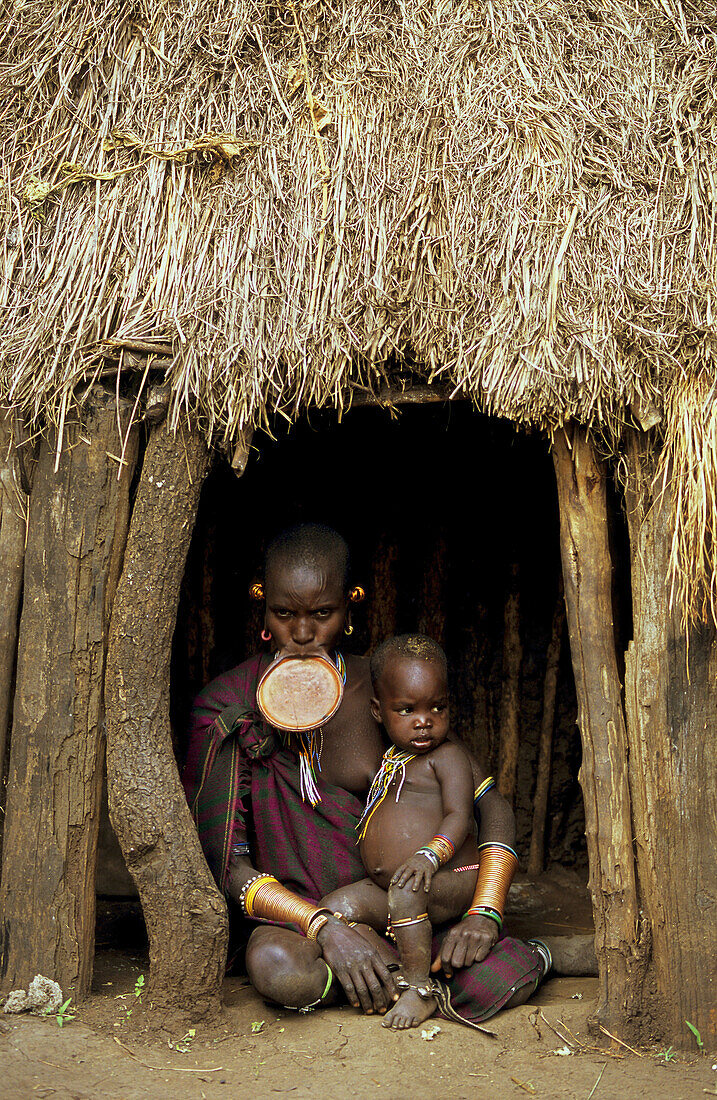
x,y
259,828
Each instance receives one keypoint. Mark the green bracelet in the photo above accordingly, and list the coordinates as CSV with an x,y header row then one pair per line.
x,y
483,912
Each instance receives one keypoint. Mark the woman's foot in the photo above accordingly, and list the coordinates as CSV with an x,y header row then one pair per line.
x,y
572,956
410,1010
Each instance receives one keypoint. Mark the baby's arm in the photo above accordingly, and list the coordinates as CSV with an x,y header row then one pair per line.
x,y
455,778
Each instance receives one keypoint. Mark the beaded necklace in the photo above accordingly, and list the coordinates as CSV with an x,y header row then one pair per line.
x,y
309,745
393,764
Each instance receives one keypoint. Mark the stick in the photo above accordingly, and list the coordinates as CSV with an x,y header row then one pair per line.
x,y
536,856
592,1090
558,1033
631,1049
161,1069
510,697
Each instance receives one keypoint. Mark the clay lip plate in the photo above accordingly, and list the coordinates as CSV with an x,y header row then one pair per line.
x,y
299,693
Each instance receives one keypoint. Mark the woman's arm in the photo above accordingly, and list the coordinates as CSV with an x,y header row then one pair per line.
x,y
474,937
359,968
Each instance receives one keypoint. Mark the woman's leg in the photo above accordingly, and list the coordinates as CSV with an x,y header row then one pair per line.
x,y
363,902
287,968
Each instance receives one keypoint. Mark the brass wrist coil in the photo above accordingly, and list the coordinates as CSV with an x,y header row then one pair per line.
x,y
495,874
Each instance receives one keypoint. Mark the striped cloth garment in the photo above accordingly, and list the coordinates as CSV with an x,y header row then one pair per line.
x,y
242,785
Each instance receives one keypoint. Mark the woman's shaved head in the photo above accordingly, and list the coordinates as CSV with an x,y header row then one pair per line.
x,y
312,546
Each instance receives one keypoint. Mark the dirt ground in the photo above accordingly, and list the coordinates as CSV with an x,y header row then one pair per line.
x,y
541,1049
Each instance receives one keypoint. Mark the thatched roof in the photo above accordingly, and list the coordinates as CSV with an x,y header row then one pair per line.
x,y
517,200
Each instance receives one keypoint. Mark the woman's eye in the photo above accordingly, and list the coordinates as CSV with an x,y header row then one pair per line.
x,y
323,613
281,612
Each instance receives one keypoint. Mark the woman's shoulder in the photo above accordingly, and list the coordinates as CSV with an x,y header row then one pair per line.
x,y
233,686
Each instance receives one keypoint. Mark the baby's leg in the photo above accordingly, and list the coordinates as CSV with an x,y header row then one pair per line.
x,y
412,929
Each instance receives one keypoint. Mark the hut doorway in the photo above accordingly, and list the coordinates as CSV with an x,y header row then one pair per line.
x,y
453,523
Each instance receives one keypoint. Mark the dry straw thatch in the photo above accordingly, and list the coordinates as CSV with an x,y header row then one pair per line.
x,y
515,199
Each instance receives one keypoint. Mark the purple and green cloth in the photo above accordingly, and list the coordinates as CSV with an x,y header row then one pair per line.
x,y
242,785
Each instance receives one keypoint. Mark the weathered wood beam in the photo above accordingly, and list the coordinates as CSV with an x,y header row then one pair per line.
x,y
394,395
671,703
186,915
587,572
240,453
383,594
13,526
536,855
509,743
432,598
76,533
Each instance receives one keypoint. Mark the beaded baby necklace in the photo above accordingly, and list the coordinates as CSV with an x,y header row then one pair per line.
x,y
309,746
393,764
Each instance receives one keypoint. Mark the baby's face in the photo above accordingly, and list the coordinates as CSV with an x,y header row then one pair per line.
x,y
412,703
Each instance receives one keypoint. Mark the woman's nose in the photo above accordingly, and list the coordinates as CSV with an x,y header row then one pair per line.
x,y
303,631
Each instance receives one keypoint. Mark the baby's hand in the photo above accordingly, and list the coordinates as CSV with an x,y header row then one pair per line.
x,y
419,868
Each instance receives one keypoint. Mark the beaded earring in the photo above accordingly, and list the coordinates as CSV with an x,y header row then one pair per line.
x,y
257,591
266,635
348,630
357,594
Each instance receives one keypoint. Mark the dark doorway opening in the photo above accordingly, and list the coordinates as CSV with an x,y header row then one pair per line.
x,y
438,504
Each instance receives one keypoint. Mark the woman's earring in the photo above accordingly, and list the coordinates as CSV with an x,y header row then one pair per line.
x,y
266,635
348,630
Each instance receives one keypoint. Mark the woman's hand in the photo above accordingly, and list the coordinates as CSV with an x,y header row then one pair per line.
x,y
467,942
419,868
362,972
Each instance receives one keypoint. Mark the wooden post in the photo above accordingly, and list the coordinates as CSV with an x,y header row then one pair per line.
x,y
671,703
432,616
619,928
383,605
536,856
509,745
186,915
76,533
14,507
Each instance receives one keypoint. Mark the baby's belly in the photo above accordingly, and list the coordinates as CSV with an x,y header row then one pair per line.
x,y
397,830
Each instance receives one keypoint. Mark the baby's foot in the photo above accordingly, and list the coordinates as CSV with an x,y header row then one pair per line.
x,y
410,1010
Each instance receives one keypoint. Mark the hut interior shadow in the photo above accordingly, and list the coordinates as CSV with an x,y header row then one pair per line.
x,y
438,505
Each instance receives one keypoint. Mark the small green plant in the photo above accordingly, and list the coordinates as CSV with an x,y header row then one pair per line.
x,y
64,1014
698,1037
668,1054
257,1025
138,991
182,1045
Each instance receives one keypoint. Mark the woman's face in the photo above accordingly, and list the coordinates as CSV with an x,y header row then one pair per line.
x,y
305,608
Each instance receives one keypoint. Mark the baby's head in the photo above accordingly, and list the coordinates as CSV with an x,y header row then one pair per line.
x,y
409,674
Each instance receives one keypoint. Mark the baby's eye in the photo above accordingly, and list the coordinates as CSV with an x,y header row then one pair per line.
x,y
405,710
439,708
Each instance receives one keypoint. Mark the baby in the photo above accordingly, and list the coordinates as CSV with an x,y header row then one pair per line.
x,y
417,835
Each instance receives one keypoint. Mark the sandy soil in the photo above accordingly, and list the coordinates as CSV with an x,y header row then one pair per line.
x,y
541,1049
258,1051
